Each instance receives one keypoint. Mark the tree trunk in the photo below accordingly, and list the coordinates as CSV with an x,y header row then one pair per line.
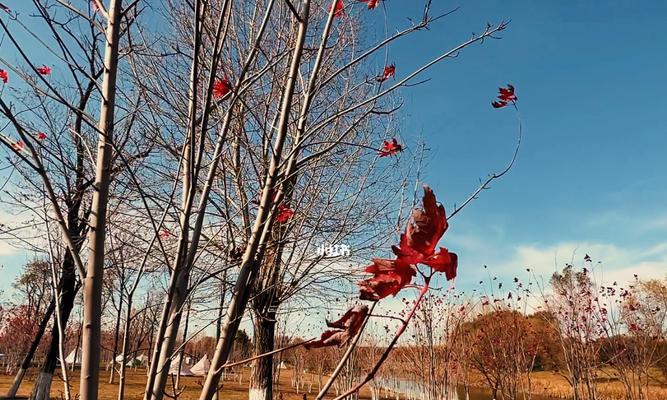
x,y
126,342
77,348
68,289
167,342
92,293
181,354
218,322
27,360
116,332
261,378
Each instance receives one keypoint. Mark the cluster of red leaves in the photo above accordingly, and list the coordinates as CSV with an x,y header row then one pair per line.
x,y
221,87
342,330
505,96
371,3
4,76
390,148
284,214
338,9
44,70
417,246
388,72
41,136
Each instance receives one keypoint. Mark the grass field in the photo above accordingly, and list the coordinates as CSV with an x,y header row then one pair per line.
x,y
546,384
551,384
190,386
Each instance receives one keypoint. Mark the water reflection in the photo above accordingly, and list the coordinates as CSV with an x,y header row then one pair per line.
x,y
410,390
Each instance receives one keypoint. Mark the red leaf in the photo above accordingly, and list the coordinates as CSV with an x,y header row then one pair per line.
x,y
388,72
338,9
390,148
425,228
165,233
418,243
443,261
221,87
505,95
284,214
41,135
4,76
44,70
389,277
371,3
343,329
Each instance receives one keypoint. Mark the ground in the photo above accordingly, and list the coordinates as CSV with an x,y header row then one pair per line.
x,y
544,383
134,389
553,385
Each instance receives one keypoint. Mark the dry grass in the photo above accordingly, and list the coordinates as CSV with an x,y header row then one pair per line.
x,y
548,384
551,384
136,379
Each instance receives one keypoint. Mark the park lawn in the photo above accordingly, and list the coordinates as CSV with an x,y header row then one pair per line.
x,y
552,384
544,383
134,389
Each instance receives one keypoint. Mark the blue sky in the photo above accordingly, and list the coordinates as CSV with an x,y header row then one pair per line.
x,y
590,77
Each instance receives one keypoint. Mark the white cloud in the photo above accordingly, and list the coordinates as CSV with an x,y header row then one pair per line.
x,y
610,262
6,249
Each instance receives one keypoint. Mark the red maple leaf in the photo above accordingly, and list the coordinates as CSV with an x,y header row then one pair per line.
x,y
371,3
389,277
418,246
342,330
505,96
424,230
338,9
41,135
284,214
388,72
44,70
4,76
221,87
390,148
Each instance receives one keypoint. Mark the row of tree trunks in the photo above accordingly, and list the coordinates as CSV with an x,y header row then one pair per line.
x,y
68,290
27,359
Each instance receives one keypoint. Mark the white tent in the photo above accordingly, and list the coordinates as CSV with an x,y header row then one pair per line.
x,y
69,360
202,366
173,370
142,358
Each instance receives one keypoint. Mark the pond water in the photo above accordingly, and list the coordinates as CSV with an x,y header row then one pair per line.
x,y
413,391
